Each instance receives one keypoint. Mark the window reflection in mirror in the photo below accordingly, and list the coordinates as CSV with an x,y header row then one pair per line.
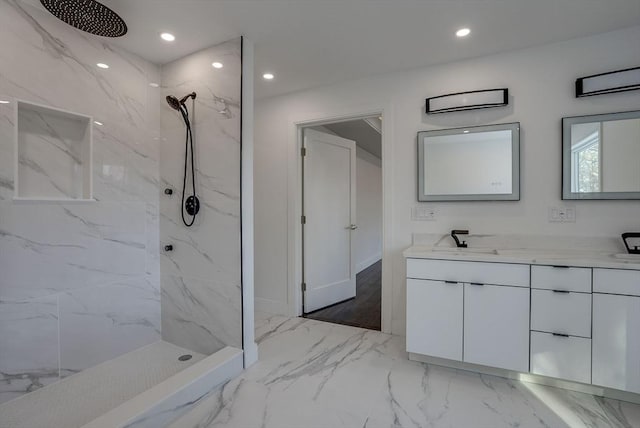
x,y
603,158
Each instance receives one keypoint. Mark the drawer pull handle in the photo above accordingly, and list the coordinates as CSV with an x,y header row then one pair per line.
x,y
560,267
451,282
560,334
477,283
561,291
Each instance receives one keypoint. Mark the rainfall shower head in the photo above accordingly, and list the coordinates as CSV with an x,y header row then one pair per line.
x,y
87,15
175,103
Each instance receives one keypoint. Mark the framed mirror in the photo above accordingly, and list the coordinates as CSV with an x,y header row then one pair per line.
x,y
480,163
601,156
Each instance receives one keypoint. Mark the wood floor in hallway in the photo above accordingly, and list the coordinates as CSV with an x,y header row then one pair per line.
x,y
362,311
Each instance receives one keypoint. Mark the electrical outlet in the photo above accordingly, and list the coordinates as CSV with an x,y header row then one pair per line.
x,y
562,214
423,213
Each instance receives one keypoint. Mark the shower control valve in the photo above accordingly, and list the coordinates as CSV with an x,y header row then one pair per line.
x,y
168,191
192,205
168,247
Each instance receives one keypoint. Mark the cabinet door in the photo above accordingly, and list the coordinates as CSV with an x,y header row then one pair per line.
x,y
496,326
434,318
562,357
616,342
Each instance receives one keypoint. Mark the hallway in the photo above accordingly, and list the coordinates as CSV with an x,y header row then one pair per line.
x,y
364,310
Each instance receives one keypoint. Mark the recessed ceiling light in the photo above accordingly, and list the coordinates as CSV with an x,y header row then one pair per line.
x,y
98,123
154,85
167,37
102,65
4,102
466,132
217,65
463,32
268,76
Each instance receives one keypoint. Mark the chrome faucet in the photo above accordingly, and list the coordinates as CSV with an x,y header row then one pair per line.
x,y
454,234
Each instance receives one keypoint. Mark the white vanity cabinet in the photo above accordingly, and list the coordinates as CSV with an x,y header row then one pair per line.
x,y
561,322
469,311
496,326
434,313
575,325
616,329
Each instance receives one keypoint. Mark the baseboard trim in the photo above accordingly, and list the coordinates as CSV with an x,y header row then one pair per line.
x,y
530,378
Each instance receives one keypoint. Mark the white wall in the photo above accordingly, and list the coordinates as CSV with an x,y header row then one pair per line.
x,y
541,83
368,237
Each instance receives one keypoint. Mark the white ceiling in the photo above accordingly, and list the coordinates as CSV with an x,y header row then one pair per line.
x,y
308,43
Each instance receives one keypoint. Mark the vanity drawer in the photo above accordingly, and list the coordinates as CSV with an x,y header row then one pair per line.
x,y
469,272
561,278
566,313
616,281
561,357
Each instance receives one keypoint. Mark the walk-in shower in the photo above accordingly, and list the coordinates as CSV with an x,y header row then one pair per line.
x,y
98,326
190,204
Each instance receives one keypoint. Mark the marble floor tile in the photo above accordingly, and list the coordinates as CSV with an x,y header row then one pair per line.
x,y
318,375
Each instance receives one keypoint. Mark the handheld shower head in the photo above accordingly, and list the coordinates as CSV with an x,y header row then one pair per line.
x,y
173,102
190,203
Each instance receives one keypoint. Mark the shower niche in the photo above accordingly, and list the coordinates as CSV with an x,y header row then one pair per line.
x,y
53,154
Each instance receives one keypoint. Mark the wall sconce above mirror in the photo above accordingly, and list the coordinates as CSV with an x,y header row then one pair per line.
x,y
608,83
480,163
601,156
472,100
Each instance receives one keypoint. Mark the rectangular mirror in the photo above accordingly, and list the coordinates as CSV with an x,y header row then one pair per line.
x,y
601,156
480,163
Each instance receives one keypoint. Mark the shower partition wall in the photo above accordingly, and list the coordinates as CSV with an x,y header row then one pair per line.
x,y
201,276
84,290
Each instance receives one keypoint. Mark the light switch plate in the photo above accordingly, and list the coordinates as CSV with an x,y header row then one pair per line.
x,y
562,214
423,213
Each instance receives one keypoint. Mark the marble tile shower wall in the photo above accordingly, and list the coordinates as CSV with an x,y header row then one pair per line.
x,y
79,282
201,295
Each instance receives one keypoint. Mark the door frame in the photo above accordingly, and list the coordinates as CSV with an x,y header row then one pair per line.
x,y
294,200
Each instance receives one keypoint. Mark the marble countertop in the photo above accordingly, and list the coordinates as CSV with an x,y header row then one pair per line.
x,y
606,256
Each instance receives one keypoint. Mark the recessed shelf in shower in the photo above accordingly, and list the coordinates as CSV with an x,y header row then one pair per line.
x,y
53,154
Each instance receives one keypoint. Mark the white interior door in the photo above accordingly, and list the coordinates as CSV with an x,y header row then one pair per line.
x,y
329,201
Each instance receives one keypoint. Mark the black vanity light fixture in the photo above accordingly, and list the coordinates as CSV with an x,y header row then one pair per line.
x,y
608,83
472,100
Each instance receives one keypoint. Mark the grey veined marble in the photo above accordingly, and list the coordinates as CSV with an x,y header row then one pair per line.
x,y
201,294
79,282
318,375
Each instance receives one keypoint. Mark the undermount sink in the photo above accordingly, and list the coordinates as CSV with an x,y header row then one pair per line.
x,y
455,250
627,256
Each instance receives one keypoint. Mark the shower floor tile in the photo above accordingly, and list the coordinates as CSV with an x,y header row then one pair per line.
x,y
78,399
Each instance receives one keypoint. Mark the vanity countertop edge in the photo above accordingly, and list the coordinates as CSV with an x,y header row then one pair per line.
x,y
588,259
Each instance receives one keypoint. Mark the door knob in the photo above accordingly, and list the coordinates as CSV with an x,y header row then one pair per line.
x,y
351,227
